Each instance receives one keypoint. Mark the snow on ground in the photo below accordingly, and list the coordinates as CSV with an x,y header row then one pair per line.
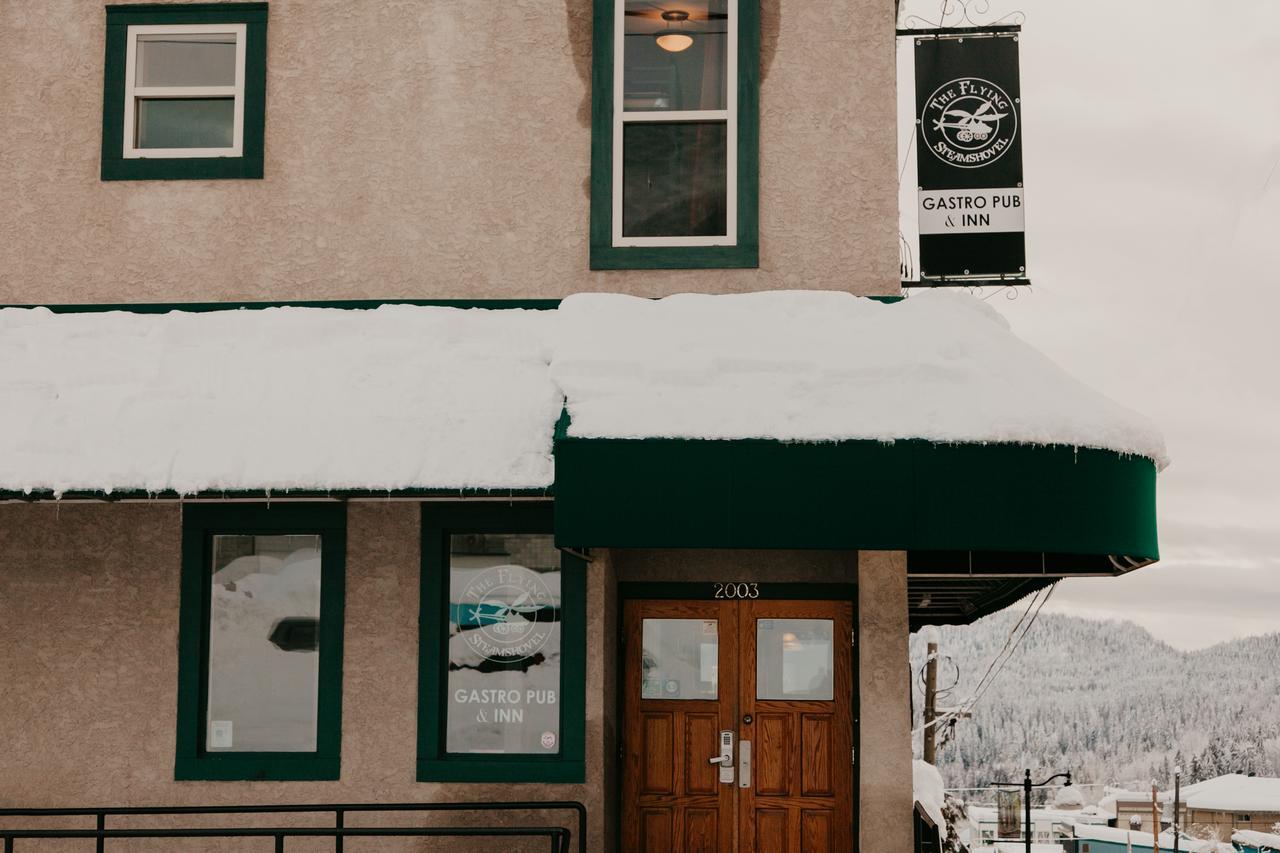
x,y
428,397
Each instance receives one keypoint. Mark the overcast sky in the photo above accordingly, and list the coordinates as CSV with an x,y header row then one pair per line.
x,y
1151,146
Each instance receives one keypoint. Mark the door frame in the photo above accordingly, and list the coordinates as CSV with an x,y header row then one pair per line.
x,y
705,591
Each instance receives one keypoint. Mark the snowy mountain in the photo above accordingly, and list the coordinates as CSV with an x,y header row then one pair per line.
x,y
1105,700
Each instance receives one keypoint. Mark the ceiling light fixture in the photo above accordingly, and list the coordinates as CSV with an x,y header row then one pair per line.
x,y
671,40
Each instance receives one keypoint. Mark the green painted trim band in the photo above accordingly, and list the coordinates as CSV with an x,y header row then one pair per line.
x,y
909,495
341,304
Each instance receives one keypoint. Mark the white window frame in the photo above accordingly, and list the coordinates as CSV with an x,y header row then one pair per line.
x,y
132,92
622,117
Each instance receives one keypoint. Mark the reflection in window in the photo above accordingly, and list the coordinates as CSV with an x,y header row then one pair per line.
x,y
681,659
504,644
673,179
794,659
186,123
186,59
264,665
675,57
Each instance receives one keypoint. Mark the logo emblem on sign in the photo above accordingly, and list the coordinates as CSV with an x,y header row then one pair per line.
x,y
969,122
505,604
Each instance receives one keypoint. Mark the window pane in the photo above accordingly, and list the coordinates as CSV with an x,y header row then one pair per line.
x,y
684,71
681,659
794,659
264,663
673,179
186,122
504,644
186,59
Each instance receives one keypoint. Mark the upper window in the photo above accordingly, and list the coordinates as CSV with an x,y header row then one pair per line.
x,y
502,626
675,128
184,91
260,655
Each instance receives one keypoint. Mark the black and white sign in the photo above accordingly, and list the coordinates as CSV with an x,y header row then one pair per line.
x,y
969,156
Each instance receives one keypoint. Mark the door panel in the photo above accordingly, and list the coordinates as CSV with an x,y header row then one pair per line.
x,y
776,673
802,746
676,702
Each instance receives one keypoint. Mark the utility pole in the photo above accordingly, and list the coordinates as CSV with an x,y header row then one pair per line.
x,y
1177,801
1155,819
930,703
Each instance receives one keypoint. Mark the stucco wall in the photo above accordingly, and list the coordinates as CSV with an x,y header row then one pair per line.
x,y
884,751
427,150
88,669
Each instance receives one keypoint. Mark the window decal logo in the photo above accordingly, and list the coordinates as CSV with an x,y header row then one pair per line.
x,y
969,122
514,611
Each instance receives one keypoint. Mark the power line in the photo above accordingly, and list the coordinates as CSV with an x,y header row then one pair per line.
x,y
1012,641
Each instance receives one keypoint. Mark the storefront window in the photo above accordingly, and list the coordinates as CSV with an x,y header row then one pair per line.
x,y
264,660
260,641
504,644
503,626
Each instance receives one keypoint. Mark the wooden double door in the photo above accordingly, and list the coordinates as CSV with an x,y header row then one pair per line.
x,y
737,726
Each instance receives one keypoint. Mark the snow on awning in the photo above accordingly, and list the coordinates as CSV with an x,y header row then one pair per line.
x,y
403,398
399,397
824,366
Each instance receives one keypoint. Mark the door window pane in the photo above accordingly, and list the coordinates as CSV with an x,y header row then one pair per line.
x,y
681,659
186,59
674,179
264,662
676,62
794,659
186,122
504,644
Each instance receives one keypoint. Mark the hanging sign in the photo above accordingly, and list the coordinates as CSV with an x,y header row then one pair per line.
x,y
1008,814
969,156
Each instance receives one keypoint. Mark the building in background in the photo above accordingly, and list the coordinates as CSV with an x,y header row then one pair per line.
x,y
331,475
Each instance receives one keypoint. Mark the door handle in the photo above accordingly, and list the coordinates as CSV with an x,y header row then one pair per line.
x,y
719,759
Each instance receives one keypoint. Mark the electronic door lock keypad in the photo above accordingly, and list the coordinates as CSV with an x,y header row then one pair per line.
x,y
725,758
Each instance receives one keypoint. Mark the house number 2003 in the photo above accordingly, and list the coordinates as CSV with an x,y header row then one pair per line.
x,y
737,590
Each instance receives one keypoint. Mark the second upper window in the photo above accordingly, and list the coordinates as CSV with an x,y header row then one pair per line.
x,y
184,91
674,172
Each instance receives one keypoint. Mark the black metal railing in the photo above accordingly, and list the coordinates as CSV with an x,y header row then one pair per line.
x,y
558,837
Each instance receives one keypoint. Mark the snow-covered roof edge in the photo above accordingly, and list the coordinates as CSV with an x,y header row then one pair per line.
x,y
413,397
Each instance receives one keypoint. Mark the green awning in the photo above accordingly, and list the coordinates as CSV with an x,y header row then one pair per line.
x,y
959,509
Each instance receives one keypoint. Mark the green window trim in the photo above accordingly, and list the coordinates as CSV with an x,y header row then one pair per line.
x,y
200,522
746,251
434,763
115,166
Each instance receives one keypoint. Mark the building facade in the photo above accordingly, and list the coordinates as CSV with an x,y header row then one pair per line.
x,y
283,523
